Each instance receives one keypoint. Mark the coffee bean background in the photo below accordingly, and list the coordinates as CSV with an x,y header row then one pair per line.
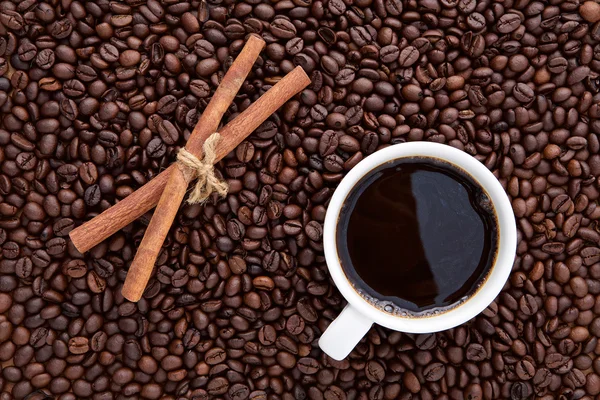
x,y
97,97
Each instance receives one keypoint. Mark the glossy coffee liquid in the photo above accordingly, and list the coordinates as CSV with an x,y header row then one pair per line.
x,y
417,236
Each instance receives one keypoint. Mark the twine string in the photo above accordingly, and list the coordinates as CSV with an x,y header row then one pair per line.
x,y
203,171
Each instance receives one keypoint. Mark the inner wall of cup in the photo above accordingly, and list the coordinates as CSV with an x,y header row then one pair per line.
x,y
496,276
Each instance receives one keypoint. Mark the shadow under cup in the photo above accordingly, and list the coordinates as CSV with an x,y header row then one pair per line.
x,y
417,236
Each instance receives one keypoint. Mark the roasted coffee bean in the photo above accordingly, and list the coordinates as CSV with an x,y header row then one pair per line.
x,y
97,98
525,370
520,390
75,268
199,88
239,391
523,93
508,22
24,268
103,268
215,356
308,366
283,28
389,54
434,372
408,56
95,282
168,132
374,371
78,345
217,386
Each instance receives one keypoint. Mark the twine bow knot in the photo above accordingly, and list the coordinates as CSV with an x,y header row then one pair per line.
x,y
203,171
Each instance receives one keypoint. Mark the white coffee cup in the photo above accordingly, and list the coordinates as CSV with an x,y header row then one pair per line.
x,y
352,324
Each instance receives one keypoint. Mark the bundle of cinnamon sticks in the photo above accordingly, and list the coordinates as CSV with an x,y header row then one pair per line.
x,y
167,190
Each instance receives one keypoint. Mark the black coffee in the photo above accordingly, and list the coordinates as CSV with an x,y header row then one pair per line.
x,y
417,235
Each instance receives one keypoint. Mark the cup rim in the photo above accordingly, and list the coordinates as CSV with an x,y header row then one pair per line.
x,y
498,275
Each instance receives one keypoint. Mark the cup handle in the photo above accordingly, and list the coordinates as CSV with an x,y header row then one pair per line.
x,y
344,333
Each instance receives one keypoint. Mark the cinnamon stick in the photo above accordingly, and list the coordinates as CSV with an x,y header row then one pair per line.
x,y
177,183
101,227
